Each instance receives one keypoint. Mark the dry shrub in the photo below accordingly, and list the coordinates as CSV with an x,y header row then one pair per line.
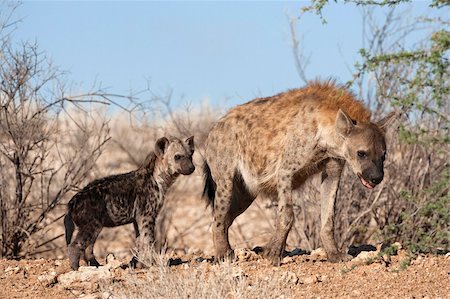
x,y
412,205
42,156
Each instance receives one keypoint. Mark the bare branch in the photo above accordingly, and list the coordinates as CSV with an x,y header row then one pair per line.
x,y
301,62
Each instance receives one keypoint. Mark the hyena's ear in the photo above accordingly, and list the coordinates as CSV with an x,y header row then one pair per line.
x,y
384,123
344,123
161,146
190,143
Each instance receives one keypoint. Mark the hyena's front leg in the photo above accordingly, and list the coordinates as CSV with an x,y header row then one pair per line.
x,y
290,166
328,190
145,240
285,218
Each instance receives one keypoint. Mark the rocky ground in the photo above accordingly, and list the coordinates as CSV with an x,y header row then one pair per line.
x,y
301,275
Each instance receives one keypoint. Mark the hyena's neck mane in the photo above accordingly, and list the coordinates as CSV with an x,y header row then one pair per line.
x,y
148,166
329,97
152,170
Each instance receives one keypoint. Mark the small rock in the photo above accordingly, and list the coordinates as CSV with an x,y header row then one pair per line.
x,y
194,251
112,262
77,293
48,279
91,296
356,292
185,266
12,269
365,257
107,295
323,278
355,250
84,274
58,262
174,261
319,254
447,255
311,279
290,277
258,249
287,260
200,259
243,254
297,251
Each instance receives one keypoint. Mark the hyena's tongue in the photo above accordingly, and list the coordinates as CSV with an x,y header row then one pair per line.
x,y
366,183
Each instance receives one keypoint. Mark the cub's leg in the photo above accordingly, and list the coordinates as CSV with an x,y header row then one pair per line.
x,y
145,232
89,255
133,263
84,236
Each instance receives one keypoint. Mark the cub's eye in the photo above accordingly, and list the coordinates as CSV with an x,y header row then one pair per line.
x,y
177,157
362,154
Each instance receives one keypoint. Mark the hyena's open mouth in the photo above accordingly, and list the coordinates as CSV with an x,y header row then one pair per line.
x,y
366,184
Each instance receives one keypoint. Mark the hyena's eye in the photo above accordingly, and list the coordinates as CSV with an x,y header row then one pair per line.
x,y
177,157
362,154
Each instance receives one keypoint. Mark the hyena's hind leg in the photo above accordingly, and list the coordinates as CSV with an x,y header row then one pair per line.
x,y
86,236
89,252
232,198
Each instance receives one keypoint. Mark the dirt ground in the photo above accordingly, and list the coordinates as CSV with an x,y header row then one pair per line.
x,y
299,276
192,275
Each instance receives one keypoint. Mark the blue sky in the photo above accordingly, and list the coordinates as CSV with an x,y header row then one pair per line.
x,y
222,52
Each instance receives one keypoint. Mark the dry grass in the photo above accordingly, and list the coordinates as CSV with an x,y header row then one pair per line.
x,y
197,280
219,282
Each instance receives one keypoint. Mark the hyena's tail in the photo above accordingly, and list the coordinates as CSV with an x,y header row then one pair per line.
x,y
69,225
209,192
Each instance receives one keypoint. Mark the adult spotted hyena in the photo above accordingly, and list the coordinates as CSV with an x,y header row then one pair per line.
x,y
134,197
272,145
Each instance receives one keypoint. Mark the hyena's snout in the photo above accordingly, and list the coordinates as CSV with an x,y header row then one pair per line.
x,y
187,167
371,177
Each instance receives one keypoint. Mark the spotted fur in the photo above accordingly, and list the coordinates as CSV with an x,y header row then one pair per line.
x,y
272,145
134,197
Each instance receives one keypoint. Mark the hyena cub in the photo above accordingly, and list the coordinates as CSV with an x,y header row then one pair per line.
x,y
134,197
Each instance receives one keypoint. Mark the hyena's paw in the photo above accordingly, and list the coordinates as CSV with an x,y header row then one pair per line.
x,y
273,254
339,257
227,256
74,265
134,263
93,262
74,257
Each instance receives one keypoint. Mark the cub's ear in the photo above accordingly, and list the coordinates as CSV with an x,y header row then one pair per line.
x,y
190,143
344,123
385,122
161,146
